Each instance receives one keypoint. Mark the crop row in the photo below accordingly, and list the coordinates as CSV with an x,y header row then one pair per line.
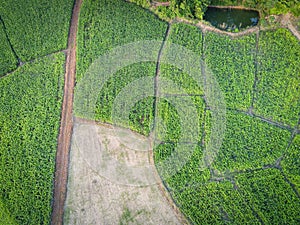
x,y
277,91
36,27
30,103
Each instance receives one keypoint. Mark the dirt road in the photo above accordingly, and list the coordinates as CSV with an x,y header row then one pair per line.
x,y
64,138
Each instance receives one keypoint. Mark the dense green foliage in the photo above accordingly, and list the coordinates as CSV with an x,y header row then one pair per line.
x,y
211,196
30,103
186,35
178,8
5,217
291,162
36,27
106,24
232,62
270,196
192,9
277,92
141,116
214,203
195,9
249,143
170,130
8,62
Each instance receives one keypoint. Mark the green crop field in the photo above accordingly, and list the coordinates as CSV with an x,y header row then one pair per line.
x,y
277,93
254,177
232,62
270,196
102,27
291,162
36,27
29,122
8,62
250,143
30,105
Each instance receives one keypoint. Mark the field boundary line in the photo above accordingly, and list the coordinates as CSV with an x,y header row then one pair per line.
x,y
255,72
66,124
293,135
157,71
9,42
291,184
269,121
32,61
161,185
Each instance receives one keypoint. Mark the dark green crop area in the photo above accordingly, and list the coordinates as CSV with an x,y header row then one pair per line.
x,y
8,61
30,103
277,93
254,177
32,36
36,27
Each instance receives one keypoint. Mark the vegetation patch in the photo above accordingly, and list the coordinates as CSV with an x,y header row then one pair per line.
x,y
8,62
291,162
250,143
277,90
30,104
36,27
232,62
270,196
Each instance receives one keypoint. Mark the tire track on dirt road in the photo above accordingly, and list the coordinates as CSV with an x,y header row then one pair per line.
x,y
66,125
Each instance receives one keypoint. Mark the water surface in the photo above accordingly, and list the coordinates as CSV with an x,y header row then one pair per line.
x,y
231,19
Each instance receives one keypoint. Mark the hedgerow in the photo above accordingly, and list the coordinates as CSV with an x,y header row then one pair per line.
x,y
30,104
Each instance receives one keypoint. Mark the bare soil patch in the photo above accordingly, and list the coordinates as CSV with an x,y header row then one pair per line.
x,y
121,197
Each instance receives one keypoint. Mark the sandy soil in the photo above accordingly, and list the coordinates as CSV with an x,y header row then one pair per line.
x,y
111,181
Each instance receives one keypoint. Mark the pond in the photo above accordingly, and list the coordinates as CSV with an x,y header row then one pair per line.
x,y
231,19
